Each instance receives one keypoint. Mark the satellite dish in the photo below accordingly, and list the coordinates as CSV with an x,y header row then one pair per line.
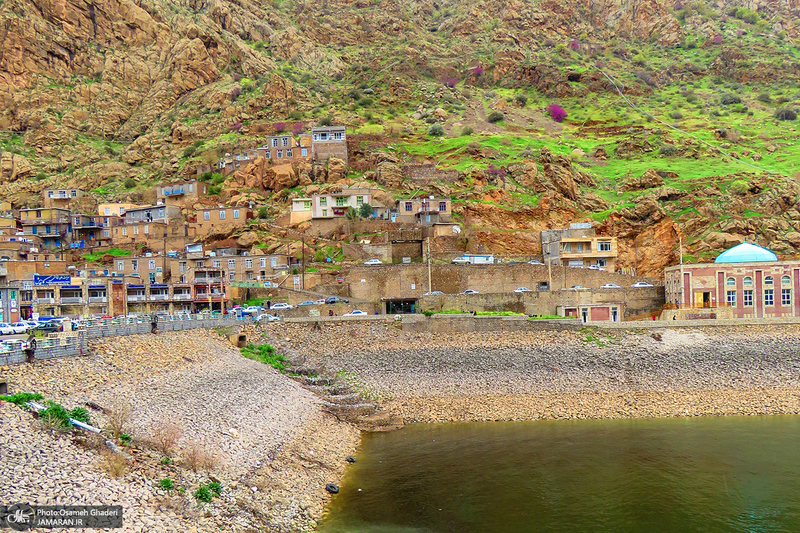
x,y
456,230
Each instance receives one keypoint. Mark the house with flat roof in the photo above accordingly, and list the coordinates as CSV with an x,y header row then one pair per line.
x,y
50,224
335,204
61,197
327,142
181,193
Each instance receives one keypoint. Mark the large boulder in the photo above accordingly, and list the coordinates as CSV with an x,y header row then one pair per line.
x,y
649,179
722,241
14,167
337,169
248,239
389,175
280,177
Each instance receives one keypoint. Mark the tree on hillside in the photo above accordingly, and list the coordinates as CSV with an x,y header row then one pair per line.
x,y
351,213
365,211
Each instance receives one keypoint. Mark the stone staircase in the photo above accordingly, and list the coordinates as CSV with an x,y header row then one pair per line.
x,y
340,400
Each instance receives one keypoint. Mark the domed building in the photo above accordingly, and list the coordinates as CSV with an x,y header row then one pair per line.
x,y
746,281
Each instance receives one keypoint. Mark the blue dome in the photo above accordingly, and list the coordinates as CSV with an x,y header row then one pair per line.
x,y
746,253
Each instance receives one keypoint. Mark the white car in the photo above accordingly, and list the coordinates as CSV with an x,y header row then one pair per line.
x,y
610,286
268,317
6,329
20,327
321,301
535,263
640,284
433,293
522,289
461,261
373,262
594,267
469,291
355,312
281,305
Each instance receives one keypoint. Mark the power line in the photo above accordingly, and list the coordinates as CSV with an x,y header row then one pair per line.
x,y
634,107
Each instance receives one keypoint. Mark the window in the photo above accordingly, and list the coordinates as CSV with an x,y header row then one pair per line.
x,y
151,264
769,296
341,201
222,214
785,280
324,212
730,282
232,275
106,210
216,263
73,194
323,202
748,281
442,206
248,263
121,265
206,215
231,263
304,152
579,247
289,152
124,232
274,143
568,247
280,154
337,135
359,200
136,230
604,246
198,264
768,280
273,262
323,136
34,229
409,207
786,297
263,262
146,229
182,266
748,298
235,213
731,298
601,262
286,141
134,265
307,205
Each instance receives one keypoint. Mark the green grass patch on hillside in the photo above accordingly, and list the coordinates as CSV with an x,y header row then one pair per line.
x,y
96,256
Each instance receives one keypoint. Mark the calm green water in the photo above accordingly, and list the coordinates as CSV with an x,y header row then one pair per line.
x,y
737,474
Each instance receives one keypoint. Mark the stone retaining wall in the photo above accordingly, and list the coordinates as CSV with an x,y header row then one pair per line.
x,y
467,323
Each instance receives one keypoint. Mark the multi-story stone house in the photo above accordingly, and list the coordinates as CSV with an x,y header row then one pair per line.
x,y
181,193
50,224
335,204
209,218
61,197
327,142
425,210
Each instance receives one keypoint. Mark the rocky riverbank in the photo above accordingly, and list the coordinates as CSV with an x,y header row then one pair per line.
x,y
592,373
234,421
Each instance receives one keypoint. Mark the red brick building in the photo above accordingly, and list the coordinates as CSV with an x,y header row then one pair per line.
x,y
746,281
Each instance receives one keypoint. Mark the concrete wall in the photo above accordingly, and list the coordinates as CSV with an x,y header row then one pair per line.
x,y
411,281
634,301
444,324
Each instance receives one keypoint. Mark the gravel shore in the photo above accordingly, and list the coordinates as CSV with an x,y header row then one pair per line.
x,y
593,373
272,446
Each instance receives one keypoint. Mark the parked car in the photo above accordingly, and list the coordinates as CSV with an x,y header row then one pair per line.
x,y
268,317
433,293
578,287
461,261
6,329
535,263
321,301
522,289
355,312
48,327
610,286
640,284
281,305
308,302
6,345
20,327
594,267
252,310
469,291
335,300
31,323
373,262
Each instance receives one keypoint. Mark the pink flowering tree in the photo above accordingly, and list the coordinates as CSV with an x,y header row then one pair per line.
x,y
557,112
279,127
298,128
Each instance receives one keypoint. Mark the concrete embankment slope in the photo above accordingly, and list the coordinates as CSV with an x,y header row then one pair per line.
x,y
563,373
264,438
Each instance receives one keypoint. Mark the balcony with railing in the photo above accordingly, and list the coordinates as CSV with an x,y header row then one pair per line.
x,y
207,280
46,300
136,297
71,300
98,299
3,271
174,191
159,297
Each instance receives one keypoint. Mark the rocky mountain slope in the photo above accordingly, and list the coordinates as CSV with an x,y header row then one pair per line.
x,y
114,95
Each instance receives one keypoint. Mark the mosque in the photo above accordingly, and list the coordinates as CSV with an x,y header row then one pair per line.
x,y
746,281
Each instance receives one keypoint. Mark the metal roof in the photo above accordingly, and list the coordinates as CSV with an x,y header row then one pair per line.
x,y
746,253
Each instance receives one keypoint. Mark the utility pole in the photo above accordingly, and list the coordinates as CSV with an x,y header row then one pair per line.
x,y
303,273
680,285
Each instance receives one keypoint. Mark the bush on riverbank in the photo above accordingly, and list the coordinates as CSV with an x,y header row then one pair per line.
x,y
266,354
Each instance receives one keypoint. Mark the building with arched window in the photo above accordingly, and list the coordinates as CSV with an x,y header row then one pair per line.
x,y
746,281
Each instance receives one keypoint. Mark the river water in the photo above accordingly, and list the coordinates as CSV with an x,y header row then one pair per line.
x,y
733,474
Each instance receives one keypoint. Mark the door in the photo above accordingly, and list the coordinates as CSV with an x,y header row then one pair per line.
x,y
698,299
585,315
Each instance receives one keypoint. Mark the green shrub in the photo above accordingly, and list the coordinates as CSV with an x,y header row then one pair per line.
x,y
80,414
214,190
466,130
319,256
263,212
436,130
427,312
739,187
21,398
125,439
495,116
189,151
217,178
521,99
668,150
326,121
764,97
266,354
202,494
785,113
205,176
216,488
728,99
54,415
129,183
691,98
166,484
677,115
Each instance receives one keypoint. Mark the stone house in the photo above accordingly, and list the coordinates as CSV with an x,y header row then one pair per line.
x,y
327,142
207,219
50,224
61,197
181,193
335,204
424,210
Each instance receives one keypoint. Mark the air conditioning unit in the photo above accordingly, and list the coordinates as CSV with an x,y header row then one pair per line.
x,y
134,275
158,269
